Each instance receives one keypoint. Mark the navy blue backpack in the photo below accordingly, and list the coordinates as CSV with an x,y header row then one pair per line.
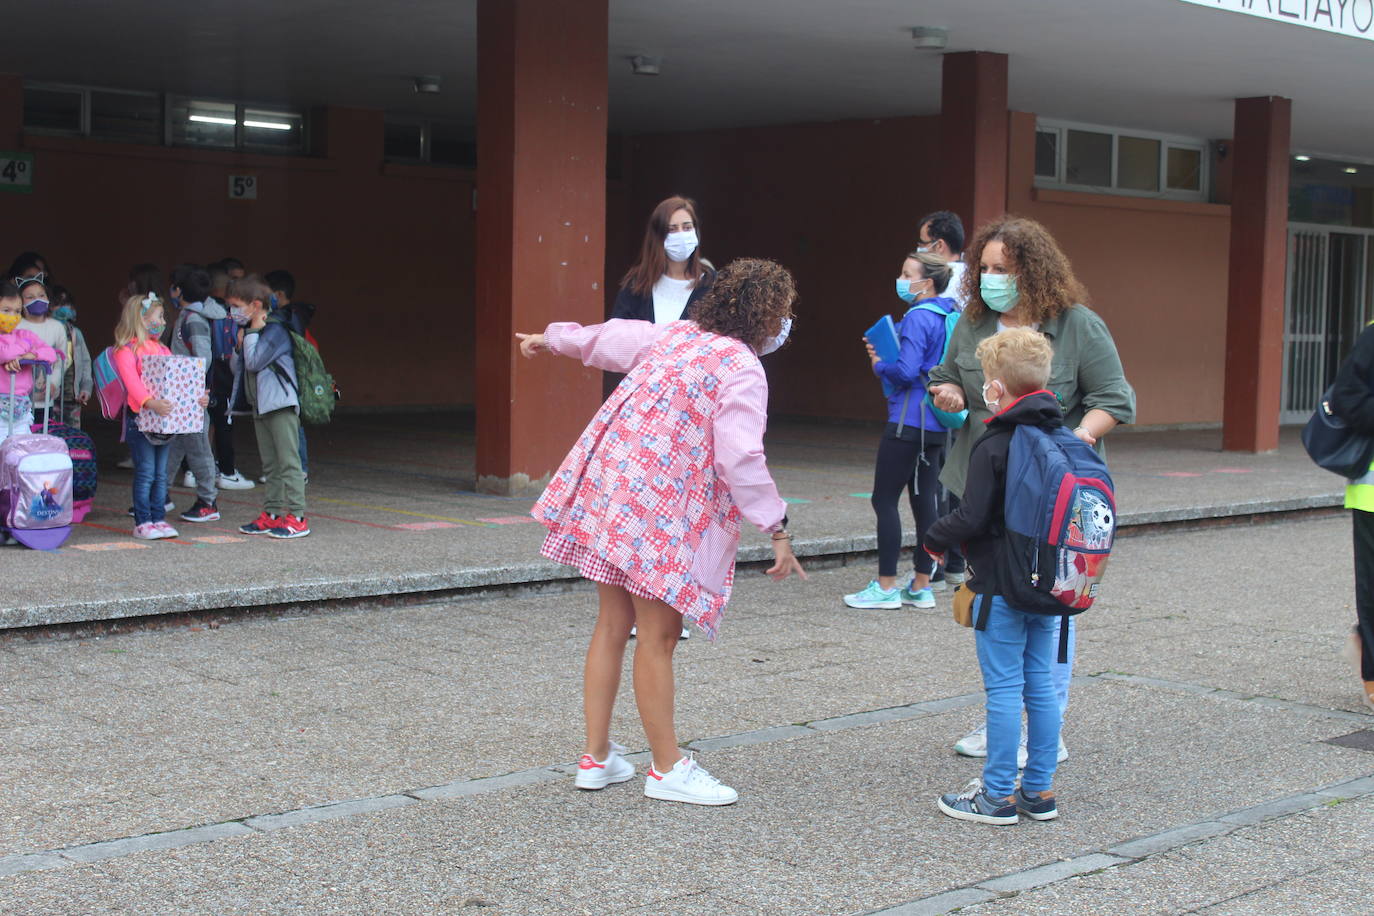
x,y
1060,518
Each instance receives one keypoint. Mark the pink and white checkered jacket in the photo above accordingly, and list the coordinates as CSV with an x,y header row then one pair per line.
x,y
659,479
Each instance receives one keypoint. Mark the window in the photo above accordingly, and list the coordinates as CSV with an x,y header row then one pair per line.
x,y
1119,162
151,118
53,110
435,142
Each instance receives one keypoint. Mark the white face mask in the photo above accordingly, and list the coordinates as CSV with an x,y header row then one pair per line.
x,y
993,405
680,245
777,342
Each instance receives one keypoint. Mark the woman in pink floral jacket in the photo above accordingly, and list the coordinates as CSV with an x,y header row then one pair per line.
x,y
648,503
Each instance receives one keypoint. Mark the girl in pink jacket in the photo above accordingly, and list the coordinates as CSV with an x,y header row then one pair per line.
x,y
16,381
140,326
648,503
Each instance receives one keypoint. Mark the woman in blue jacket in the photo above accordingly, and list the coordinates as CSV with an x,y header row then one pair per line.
x,y
914,441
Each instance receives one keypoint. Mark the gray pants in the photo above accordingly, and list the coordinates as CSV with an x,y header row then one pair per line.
x,y
195,448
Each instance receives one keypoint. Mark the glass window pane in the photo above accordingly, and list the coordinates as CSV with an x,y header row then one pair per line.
x,y
1139,168
451,144
1089,159
1185,169
1047,154
52,109
284,130
126,116
202,123
403,142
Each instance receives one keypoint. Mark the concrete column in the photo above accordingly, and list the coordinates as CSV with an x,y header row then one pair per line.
x,y
541,222
1258,261
973,136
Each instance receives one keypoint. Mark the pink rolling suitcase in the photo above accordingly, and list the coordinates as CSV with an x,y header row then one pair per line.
x,y
35,487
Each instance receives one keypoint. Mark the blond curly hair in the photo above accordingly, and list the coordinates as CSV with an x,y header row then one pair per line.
x,y
1019,357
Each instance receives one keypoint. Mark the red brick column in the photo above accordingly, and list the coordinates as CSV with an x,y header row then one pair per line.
x,y
973,136
1255,297
541,221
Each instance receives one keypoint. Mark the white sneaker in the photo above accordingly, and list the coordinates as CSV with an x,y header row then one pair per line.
x,y
164,530
974,744
189,481
594,775
688,782
146,532
1022,755
235,481
126,464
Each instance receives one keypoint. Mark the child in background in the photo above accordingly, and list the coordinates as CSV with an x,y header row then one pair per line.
x,y
140,326
47,381
223,383
1017,648
17,343
78,383
298,315
269,378
191,337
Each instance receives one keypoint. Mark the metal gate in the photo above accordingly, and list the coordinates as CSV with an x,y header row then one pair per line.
x,y
1330,298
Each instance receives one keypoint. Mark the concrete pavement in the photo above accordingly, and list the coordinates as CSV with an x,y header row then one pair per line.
x,y
1201,776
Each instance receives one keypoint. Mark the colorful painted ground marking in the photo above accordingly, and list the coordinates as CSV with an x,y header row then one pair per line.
x,y
424,526
1177,474
112,545
1232,470
795,501
508,520
219,539
862,495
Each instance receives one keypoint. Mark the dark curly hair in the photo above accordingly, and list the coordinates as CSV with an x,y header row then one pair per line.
x,y
749,301
1044,276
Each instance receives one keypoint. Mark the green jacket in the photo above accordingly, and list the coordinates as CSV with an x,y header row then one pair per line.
x,y
1086,374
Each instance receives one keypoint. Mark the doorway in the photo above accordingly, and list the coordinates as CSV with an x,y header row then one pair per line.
x,y
1330,299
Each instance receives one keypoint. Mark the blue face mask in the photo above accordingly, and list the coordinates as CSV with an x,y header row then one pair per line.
x,y
64,313
904,290
999,292
37,307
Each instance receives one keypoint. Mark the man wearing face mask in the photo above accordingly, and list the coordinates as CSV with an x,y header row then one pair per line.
x,y
942,233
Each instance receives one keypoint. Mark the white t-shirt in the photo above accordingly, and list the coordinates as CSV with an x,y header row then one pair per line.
x,y
1002,326
955,290
53,333
670,298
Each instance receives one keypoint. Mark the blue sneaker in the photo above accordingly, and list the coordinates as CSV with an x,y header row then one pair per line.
x,y
974,804
875,596
1038,806
924,598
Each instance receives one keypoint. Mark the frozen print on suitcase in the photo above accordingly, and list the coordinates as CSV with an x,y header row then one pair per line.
x,y
36,490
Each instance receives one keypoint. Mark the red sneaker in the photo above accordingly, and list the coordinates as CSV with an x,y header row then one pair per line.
x,y
288,526
260,525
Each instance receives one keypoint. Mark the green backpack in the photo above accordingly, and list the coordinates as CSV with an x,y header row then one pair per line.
x,y
315,386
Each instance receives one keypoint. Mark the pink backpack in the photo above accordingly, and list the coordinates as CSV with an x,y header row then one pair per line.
x,y
108,388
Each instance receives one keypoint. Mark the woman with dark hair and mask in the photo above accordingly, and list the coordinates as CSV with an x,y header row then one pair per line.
x,y
1019,277
670,276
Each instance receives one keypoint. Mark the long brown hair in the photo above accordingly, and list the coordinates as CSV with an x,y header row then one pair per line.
x,y
653,260
1044,277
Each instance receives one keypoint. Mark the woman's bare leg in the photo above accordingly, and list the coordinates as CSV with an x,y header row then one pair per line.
x,y
659,627
605,658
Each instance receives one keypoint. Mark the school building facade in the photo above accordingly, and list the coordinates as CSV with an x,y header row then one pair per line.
x,y
1208,165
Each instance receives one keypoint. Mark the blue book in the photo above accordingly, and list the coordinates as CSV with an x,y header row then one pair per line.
x,y
883,337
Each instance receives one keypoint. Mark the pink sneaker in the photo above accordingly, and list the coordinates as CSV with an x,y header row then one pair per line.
x,y
147,532
165,530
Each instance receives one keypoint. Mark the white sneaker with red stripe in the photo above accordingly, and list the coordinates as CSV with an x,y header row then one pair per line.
x,y
594,775
690,783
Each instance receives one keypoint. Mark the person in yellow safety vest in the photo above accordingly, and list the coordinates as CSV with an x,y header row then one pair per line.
x,y
1352,399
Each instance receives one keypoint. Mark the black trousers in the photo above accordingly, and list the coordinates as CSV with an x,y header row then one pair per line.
x,y
1364,588
223,433
906,464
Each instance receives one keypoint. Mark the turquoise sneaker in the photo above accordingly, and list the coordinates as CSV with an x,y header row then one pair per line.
x,y
875,596
924,598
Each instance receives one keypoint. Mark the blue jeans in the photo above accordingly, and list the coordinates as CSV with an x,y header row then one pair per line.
x,y
1016,652
150,473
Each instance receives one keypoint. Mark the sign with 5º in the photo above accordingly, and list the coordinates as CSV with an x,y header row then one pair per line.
x,y
16,172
